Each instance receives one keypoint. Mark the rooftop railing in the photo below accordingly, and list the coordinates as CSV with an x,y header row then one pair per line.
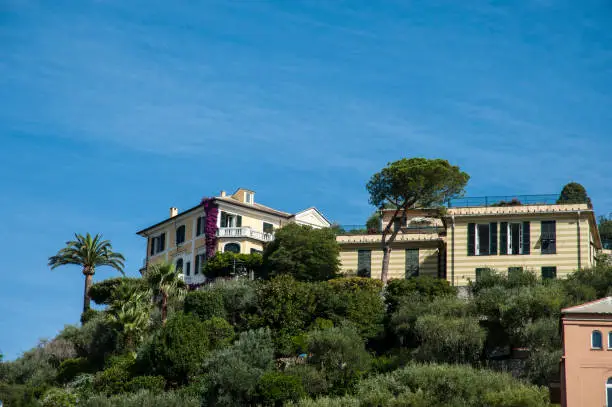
x,y
503,200
363,230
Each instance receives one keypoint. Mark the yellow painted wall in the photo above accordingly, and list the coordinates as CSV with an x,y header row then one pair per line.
x,y
428,259
565,259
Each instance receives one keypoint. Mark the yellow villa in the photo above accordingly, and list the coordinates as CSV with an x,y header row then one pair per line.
x,y
234,223
470,235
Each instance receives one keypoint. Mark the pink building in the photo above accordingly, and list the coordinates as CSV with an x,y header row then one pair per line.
x,y
586,365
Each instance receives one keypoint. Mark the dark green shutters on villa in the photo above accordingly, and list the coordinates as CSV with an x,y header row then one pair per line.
x,y
180,235
549,237
412,263
364,263
526,238
482,239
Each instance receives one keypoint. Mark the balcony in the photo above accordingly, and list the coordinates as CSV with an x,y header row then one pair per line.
x,y
195,279
245,232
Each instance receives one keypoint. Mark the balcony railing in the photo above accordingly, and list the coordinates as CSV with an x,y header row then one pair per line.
x,y
245,232
503,200
193,279
363,230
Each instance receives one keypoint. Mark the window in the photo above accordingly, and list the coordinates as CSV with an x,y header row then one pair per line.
x,y
412,263
268,227
609,392
232,248
229,220
609,340
158,244
596,341
482,239
200,225
180,235
549,273
200,262
514,238
549,237
179,265
364,263
188,268
249,197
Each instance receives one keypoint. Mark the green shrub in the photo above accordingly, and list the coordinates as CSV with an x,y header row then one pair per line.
x,y
341,354
58,398
430,287
109,290
239,301
231,375
275,388
219,332
143,399
542,366
517,397
70,368
88,315
114,378
233,264
355,299
313,380
177,351
305,253
18,395
449,339
205,304
154,384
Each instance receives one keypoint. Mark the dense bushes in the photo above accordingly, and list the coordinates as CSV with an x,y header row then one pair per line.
x,y
305,253
177,351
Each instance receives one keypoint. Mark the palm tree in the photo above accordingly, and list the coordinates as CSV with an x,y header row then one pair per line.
x,y
132,314
88,253
164,282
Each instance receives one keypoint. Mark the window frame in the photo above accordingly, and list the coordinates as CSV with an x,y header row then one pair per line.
x,y
271,228
200,225
415,269
548,268
593,347
200,263
183,229
551,242
369,266
232,243
176,265
158,245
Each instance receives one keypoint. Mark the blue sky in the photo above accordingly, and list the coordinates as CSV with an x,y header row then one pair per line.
x,y
111,111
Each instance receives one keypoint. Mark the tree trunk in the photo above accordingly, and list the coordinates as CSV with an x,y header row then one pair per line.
x,y
384,275
164,308
86,300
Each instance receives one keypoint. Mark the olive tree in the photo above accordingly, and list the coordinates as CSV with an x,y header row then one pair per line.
x,y
410,183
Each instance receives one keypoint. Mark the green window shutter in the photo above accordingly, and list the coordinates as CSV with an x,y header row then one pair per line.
x,y
471,244
223,219
412,263
364,263
479,272
549,273
503,238
526,238
152,246
493,238
238,221
163,242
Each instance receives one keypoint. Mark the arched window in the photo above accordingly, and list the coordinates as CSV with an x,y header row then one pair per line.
x,y
180,234
596,340
179,265
609,392
232,247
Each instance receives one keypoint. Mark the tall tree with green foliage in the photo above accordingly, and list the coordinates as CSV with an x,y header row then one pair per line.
x,y
88,252
165,282
410,183
605,228
306,253
573,192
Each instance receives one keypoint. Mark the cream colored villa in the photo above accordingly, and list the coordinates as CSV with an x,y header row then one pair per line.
x,y
235,223
549,239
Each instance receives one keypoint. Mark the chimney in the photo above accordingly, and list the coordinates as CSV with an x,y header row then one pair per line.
x,y
222,194
173,212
